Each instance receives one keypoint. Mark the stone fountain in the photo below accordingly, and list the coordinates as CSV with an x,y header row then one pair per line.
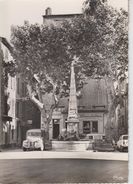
x,y
72,120
71,140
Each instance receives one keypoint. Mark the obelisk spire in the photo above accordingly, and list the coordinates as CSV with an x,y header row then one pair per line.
x,y
72,120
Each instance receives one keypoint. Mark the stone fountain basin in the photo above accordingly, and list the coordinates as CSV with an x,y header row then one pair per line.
x,y
71,145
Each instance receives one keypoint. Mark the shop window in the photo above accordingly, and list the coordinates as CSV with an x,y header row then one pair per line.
x,y
90,127
86,127
90,137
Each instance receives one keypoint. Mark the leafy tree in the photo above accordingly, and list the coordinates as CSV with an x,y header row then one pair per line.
x,y
100,39
97,40
42,59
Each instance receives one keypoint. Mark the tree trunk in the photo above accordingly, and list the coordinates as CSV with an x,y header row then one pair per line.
x,y
44,125
1,125
46,103
111,128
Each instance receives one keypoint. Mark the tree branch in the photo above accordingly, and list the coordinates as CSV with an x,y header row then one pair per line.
x,y
33,98
54,84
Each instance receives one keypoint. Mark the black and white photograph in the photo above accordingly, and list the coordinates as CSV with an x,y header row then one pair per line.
x,y
64,85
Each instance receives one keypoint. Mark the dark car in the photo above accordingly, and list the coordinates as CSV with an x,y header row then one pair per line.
x,y
103,145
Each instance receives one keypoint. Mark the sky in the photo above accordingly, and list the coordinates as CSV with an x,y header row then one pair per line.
x,y
14,12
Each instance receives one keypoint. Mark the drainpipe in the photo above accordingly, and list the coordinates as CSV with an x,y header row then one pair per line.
x,y
103,124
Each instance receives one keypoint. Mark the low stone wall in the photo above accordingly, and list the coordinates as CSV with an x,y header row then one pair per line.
x,y
13,145
71,145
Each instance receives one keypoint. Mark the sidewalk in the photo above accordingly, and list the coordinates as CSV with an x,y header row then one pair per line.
x,y
67,155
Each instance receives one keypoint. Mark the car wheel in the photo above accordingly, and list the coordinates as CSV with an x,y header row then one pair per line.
x,y
118,148
121,148
42,148
24,149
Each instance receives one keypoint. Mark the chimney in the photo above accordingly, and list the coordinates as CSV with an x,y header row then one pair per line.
x,y
48,11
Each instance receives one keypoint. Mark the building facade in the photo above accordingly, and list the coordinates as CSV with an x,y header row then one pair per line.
x,y
8,126
92,111
17,112
56,19
27,114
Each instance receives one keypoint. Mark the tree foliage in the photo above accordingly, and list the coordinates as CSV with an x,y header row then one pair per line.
x,y
39,51
97,40
100,39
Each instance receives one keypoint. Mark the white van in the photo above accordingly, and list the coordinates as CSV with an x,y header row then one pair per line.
x,y
122,143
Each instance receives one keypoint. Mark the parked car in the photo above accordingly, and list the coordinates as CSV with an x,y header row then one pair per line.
x,y
91,137
122,143
34,140
103,145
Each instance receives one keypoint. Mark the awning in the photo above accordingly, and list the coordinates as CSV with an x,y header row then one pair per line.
x,y
6,118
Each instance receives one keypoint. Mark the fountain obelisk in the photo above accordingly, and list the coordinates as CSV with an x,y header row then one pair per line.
x,y
72,120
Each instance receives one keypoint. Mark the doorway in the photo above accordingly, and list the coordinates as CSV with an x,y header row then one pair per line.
x,y
56,130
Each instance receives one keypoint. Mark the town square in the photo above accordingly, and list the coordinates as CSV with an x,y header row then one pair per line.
x,y
64,92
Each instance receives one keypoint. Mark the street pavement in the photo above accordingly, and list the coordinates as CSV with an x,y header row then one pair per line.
x,y
35,167
23,171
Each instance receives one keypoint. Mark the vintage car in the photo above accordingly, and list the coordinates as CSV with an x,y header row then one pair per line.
x,y
91,137
33,141
103,145
122,143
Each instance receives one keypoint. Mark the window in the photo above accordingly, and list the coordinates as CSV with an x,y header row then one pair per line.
x,y
90,127
86,127
56,121
125,137
91,137
34,134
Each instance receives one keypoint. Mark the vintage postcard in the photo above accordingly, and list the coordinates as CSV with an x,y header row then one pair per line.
x,y
64,91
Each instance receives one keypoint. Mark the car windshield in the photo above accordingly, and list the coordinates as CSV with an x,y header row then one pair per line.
x,y
125,137
34,134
